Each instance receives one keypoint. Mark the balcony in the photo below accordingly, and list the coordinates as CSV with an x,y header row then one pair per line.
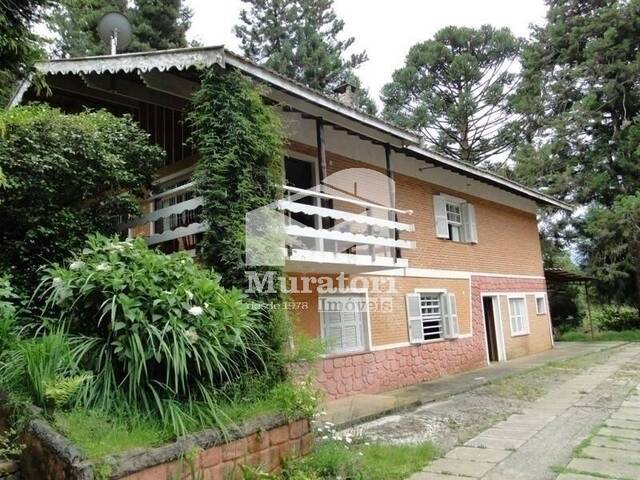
x,y
323,232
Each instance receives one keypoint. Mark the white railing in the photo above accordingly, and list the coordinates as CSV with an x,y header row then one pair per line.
x,y
369,235
343,242
173,215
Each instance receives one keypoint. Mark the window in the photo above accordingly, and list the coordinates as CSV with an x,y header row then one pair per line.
x,y
455,219
518,316
541,305
431,316
344,322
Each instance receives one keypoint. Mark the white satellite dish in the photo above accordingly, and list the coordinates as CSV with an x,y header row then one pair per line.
x,y
115,30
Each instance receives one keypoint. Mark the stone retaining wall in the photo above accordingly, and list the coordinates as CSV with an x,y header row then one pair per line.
x,y
264,441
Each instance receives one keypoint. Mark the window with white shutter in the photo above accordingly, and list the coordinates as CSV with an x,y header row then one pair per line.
x,y
450,316
344,322
431,316
518,316
455,219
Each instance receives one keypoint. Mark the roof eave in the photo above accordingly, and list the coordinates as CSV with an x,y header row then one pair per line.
x,y
491,178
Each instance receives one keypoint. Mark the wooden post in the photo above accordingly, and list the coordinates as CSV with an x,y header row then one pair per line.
x,y
323,168
586,294
395,252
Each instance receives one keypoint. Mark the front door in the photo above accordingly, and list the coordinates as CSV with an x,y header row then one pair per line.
x,y
490,328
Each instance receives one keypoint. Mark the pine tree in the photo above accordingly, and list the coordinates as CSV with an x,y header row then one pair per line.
x,y
156,25
580,97
301,39
159,25
454,90
19,47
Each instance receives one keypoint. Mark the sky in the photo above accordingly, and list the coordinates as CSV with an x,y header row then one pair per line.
x,y
385,29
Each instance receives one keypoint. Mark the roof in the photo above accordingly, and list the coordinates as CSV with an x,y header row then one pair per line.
x,y
560,275
184,58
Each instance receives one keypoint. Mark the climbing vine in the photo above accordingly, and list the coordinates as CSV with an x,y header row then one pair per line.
x,y
240,141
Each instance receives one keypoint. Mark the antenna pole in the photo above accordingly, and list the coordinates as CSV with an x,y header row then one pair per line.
x,y
114,41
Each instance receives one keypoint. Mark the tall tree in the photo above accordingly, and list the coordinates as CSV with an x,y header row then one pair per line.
x,y
19,47
301,39
455,90
156,24
581,99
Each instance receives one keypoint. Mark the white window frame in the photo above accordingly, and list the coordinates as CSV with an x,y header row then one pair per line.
x,y
543,297
451,224
442,294
525,316
366,337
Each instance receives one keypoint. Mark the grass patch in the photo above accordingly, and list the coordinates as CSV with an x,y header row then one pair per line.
x,y
601,336
360,461
98,434
520,387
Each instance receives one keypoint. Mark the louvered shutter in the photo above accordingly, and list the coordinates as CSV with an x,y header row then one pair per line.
x,y
440,215
449,316
469,222
414,318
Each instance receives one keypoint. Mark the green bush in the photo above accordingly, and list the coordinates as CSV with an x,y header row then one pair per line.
x,y
66,177
617,319
42,369
158,332
7,313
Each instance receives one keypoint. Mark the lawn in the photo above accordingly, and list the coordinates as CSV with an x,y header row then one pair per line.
x,y
601,336
360,460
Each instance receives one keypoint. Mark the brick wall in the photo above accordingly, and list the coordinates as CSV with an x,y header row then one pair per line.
x,y
388,369
540,337
508,241
266,449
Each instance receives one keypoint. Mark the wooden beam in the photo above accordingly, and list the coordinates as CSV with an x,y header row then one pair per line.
x,y
395,252
169,83
74,85
327,223
131,90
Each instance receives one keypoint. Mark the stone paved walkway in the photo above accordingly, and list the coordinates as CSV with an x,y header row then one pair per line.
x,y
527,445
614,451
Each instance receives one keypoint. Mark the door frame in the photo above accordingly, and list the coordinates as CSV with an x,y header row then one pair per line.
x,y
497,325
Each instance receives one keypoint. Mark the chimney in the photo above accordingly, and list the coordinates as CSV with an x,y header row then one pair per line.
x,y
346,94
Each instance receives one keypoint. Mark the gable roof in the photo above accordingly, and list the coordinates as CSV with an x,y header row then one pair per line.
x,y
184,58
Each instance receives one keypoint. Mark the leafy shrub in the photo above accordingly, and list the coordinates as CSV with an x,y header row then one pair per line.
x,y
7,313
158,332
297,400
617,319
65,178
43,369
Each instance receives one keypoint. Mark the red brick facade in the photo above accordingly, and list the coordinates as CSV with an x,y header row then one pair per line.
x,y
388,369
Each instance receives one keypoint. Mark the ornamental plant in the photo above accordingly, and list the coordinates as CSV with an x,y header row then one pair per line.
x,y
65,176
157,332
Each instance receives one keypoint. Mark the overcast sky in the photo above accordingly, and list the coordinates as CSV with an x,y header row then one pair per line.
x,y
385,29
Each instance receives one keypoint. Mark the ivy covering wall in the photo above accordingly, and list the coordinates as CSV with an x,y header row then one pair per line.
x,y
240,142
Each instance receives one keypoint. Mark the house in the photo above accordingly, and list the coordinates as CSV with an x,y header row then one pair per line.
x,y
439,262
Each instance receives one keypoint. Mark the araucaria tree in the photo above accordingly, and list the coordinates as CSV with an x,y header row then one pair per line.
x,y
301,39
156,24
581,99
455,90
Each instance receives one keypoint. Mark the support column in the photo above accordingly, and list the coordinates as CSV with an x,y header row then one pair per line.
x,y
323,168
395,252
